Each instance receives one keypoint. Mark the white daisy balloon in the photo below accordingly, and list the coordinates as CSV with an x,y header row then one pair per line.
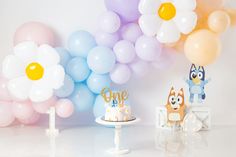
x,y
167,19
33,72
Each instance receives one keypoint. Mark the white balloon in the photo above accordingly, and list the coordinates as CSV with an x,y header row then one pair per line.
x,y
40,92
12,67
186,21
185,5
149,6
55,76
191,123
19,87
150,24
168,32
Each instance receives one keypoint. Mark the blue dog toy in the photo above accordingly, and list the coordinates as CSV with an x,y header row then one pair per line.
x,y
196,83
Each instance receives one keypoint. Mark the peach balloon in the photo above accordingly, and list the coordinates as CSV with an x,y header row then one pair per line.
x,y
34,31
64,108
218,21
202,47
208,6
232,14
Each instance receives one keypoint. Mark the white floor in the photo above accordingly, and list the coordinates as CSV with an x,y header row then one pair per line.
x,y
19,141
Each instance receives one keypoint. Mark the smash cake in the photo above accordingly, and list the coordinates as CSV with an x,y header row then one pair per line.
x,y
116,109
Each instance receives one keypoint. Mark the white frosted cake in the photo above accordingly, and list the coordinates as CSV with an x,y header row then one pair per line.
x,y
118,113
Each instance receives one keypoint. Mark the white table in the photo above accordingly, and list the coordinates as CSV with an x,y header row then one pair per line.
x,y
117,150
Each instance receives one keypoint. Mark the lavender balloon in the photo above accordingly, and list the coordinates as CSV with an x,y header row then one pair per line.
x,y
106,39
126,9
120,74
131,32
109,22
148,48
125,51
139,67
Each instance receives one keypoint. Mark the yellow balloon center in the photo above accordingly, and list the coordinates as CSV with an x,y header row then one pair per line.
x,y
34,71
167,11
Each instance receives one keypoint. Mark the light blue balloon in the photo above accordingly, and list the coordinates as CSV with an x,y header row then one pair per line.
x,y
64,56
67,89
99,107
101,60
78,69
96,82
82,97
80,43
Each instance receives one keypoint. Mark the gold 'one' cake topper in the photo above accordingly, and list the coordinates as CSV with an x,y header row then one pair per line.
x,y
119,97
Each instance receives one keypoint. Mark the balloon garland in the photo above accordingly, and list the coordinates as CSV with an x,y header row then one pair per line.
x,y
132,36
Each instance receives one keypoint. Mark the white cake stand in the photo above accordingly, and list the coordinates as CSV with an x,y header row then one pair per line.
x,y
117,150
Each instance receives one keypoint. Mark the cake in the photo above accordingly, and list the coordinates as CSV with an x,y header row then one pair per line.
x,y
118,113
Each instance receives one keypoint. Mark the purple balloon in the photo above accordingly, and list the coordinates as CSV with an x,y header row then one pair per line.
x,y
109,22
125,51
126,9
148,48
131,32
120,74
106,39
165,60
139,67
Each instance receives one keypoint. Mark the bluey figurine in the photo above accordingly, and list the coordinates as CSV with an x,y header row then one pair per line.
x,y
196,83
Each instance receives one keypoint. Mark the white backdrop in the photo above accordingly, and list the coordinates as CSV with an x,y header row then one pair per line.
x,y
66,16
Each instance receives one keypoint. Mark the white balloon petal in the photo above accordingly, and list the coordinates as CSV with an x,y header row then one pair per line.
x,y
12,67
149,24
19,87
191,123
186,21
47,56
26,51
40,92
185,5
168,33
149,6
54,76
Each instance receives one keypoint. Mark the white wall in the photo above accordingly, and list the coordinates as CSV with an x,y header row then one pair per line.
x,y
66,16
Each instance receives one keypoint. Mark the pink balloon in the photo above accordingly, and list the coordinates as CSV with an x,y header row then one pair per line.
x,y
120,74
32,120
23,110
165,60
4,94
139,67
43,107
34,31
64,108
6,114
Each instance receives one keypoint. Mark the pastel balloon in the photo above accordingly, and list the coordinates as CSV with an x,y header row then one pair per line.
x,y
166,60
64,108
109,22
4,93
106,39
101,60
148,48
232,14
218,21
124,51
210,5
131,32
120,74
82,97
202,47
77,68
34,31
80,43
96,82
7,117
32,120
139,67
64,56
23,110
99,107
126,9
67,88
43,107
